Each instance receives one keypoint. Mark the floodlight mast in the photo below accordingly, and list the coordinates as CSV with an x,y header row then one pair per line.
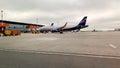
x,y
2,15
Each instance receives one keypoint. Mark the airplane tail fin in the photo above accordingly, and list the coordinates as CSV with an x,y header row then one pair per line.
x,y
83,21
52,24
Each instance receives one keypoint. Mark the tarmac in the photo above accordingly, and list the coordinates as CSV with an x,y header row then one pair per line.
x,y
67,50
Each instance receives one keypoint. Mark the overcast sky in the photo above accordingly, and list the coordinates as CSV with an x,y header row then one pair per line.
x,y
102,14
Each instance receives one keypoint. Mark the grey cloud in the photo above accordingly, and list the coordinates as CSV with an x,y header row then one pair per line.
x,y
63,10
52,5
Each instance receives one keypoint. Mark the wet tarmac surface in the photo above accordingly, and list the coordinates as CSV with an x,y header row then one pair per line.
x,y
68,50
12,59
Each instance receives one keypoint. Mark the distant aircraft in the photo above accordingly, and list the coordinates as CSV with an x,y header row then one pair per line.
x,y
45,29
82,24
51,28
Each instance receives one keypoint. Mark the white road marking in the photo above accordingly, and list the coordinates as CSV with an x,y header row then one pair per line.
x,y
113,46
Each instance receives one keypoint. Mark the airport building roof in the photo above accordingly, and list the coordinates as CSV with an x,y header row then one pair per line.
x,y
20,23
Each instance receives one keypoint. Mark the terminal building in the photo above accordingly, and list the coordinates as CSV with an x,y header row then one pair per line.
x,y
23,27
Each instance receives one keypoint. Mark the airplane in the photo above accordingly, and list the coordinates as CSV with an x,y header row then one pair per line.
x,y
81,25
45,29
51,28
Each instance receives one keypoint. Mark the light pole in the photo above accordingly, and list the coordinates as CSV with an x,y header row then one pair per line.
x,y
37,20
1,14
2,28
